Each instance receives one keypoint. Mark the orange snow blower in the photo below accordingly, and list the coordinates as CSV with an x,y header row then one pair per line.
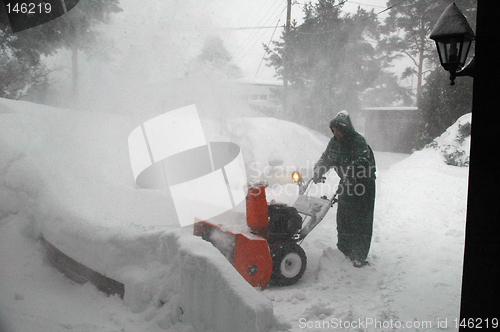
x,y
268,247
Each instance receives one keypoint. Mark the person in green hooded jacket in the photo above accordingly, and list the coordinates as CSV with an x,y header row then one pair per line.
x,y
353,160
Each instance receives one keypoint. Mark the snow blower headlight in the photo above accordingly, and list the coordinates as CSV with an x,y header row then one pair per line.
x,y
295,176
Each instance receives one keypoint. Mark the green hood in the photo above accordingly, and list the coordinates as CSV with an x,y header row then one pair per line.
x,y
343,122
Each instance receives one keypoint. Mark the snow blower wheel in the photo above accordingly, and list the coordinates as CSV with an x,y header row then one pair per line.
x,y
289,263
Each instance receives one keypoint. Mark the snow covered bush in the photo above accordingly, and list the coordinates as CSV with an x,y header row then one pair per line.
x,y
454,143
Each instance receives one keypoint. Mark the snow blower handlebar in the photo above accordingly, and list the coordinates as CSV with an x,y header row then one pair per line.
x,y
313,209
303,185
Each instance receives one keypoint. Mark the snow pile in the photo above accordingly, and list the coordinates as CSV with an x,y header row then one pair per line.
x,y
217,297
275,148
66,176
198,286
454,143
178,294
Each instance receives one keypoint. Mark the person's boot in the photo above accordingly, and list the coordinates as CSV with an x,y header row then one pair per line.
x,y
359,264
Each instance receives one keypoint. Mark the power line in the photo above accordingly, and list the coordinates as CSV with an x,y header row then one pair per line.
x,y
365,4
390,7
257,40
246,28
361,20
353,2
339,4
244,49
251,35
270,39
273,18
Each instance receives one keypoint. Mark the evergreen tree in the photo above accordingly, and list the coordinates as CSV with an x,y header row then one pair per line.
x,y
330,60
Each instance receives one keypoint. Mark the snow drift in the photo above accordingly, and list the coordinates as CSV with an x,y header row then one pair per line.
x,y
67,175
454,143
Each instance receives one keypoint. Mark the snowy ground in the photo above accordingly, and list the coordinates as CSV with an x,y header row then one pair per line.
x,y
67,174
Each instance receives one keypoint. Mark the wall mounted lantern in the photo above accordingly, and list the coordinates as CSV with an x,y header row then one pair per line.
x,y
453,36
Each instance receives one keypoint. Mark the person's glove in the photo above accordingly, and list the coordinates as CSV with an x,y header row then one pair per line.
x,y
317,176
318,179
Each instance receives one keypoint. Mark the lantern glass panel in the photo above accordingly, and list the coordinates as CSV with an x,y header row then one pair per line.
x,y
465,51
442,52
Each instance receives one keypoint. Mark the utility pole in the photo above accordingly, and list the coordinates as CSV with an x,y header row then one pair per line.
x,y
285,69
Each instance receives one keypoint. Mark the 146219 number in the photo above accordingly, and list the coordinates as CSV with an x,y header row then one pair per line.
x,y
477,323
29,8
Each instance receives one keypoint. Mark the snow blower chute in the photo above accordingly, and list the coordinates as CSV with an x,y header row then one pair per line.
x,y
270,249
249,253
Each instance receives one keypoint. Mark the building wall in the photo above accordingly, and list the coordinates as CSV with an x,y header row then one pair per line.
x,y
261,96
